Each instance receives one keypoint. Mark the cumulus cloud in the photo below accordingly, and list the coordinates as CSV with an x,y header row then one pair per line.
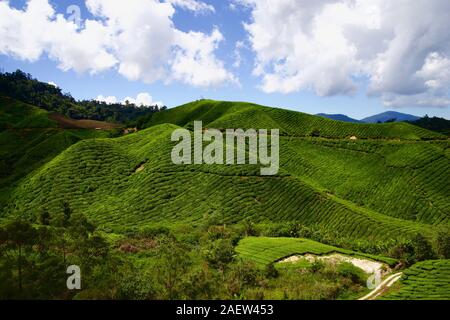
x,y
401,47
142,99
195,62
137,38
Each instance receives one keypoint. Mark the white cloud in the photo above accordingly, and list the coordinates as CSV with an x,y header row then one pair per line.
x,y
402,47
195,62
193,5
52,84
142,99
137,38
107,99
237,53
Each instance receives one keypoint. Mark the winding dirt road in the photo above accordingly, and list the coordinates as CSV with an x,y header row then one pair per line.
x,y
382,287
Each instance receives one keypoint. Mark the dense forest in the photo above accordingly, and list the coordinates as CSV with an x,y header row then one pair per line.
x,y
24,87
434,124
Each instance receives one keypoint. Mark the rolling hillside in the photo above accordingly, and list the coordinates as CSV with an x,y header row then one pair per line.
x,y
382,188
131,181
216,114
30,137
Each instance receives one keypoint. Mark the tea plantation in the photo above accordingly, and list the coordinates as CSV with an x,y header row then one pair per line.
x,y
428,280
346,183
263,250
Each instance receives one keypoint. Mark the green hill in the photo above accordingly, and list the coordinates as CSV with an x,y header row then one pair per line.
x,y
371,194
376,189
131,181
427,280
29,138
217,114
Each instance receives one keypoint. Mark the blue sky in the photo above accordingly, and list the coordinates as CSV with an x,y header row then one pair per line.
x,y
278,85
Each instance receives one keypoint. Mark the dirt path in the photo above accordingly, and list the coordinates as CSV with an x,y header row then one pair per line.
x,y
382,287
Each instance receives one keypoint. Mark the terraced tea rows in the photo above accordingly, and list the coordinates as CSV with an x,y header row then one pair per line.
x,y
428,280
29,139
216,114
407,180
100,178
264,250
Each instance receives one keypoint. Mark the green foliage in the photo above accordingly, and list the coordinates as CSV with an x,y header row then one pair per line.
x,y
22,86
219,253
443,244
35,259
427,280
422,248
355,274
440,125
264,250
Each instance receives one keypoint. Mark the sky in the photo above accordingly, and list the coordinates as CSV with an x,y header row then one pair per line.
x,y
353,57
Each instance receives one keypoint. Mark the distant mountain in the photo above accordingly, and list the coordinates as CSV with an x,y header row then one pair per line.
x,y
339,117
389,116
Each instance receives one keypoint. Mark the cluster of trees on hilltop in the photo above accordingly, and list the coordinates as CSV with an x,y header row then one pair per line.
x,y
22,86
434,124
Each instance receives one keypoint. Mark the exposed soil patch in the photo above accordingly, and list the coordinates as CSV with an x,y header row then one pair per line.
x,y
368,266
67,123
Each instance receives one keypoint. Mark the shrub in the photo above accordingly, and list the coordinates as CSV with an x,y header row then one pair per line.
x,y
351,272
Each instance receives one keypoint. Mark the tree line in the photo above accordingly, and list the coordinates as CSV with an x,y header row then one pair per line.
x,y
22,86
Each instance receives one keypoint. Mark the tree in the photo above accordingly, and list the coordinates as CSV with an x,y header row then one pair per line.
x,y
219,254
19,236
172,264
44,217
443,244
422,248
271,272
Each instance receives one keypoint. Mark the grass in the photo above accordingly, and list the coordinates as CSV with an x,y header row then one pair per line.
x,y
264,250
427,280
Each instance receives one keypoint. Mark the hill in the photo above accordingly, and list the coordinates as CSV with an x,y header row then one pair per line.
x,y
130,181
30,137
338,117
67,123
361,197
217,114
390,116
427,280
